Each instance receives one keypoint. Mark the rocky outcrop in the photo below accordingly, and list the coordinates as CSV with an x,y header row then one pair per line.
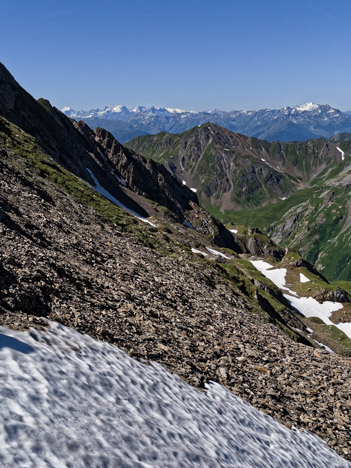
x,y
146,177
229,170
255,242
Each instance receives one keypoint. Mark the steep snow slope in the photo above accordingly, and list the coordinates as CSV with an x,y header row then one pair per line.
x,y
68,400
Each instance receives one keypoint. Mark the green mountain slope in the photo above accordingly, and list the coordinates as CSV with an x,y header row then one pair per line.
x,y
297,192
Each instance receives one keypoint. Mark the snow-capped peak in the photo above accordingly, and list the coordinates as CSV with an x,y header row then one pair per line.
x,y
138,109
175,111
308,106
119,108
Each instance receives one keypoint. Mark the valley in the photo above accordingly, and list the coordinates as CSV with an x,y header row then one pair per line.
x,y
298,193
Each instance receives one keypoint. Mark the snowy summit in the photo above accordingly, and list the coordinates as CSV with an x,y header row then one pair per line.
x,y
307,107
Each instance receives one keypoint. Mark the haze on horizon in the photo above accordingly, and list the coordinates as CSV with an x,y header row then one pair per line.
x,y
194,55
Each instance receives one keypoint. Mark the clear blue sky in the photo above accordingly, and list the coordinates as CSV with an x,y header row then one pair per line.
x,y
190,54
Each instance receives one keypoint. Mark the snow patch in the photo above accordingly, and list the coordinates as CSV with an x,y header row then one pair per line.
x,y
342,153
175,111
196,251
193,189
234,231
216,252
122,181
309,307
188,224
303,278
325,347
307,107
100,189
69,400
345,327
276,275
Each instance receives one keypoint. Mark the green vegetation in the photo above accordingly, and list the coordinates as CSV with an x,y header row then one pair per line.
x,y
330,335
265,216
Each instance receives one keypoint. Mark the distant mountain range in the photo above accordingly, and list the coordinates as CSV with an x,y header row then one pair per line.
x,y
296,123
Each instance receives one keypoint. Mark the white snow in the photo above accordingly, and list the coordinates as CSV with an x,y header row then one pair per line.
x,y
184,182
262,159
216,252
309,330
100,189
309,307
325,347
234,231
282,198
196,251
67,400
342,153
145,220
345,327
308,106
193,189
175,111
276,275
261,265
303,278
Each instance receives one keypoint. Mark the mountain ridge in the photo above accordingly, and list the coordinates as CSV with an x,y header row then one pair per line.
x,y
254,182
300,122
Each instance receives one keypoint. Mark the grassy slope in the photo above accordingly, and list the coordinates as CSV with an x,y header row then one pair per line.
x,y
320,231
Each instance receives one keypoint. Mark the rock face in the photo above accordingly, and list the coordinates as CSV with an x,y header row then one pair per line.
x,y
231,171
145,176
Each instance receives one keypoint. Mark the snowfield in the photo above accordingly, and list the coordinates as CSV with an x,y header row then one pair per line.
x,y
67,400
307,306
276,275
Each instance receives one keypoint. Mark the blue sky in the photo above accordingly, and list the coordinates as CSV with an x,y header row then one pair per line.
x,y
194,54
